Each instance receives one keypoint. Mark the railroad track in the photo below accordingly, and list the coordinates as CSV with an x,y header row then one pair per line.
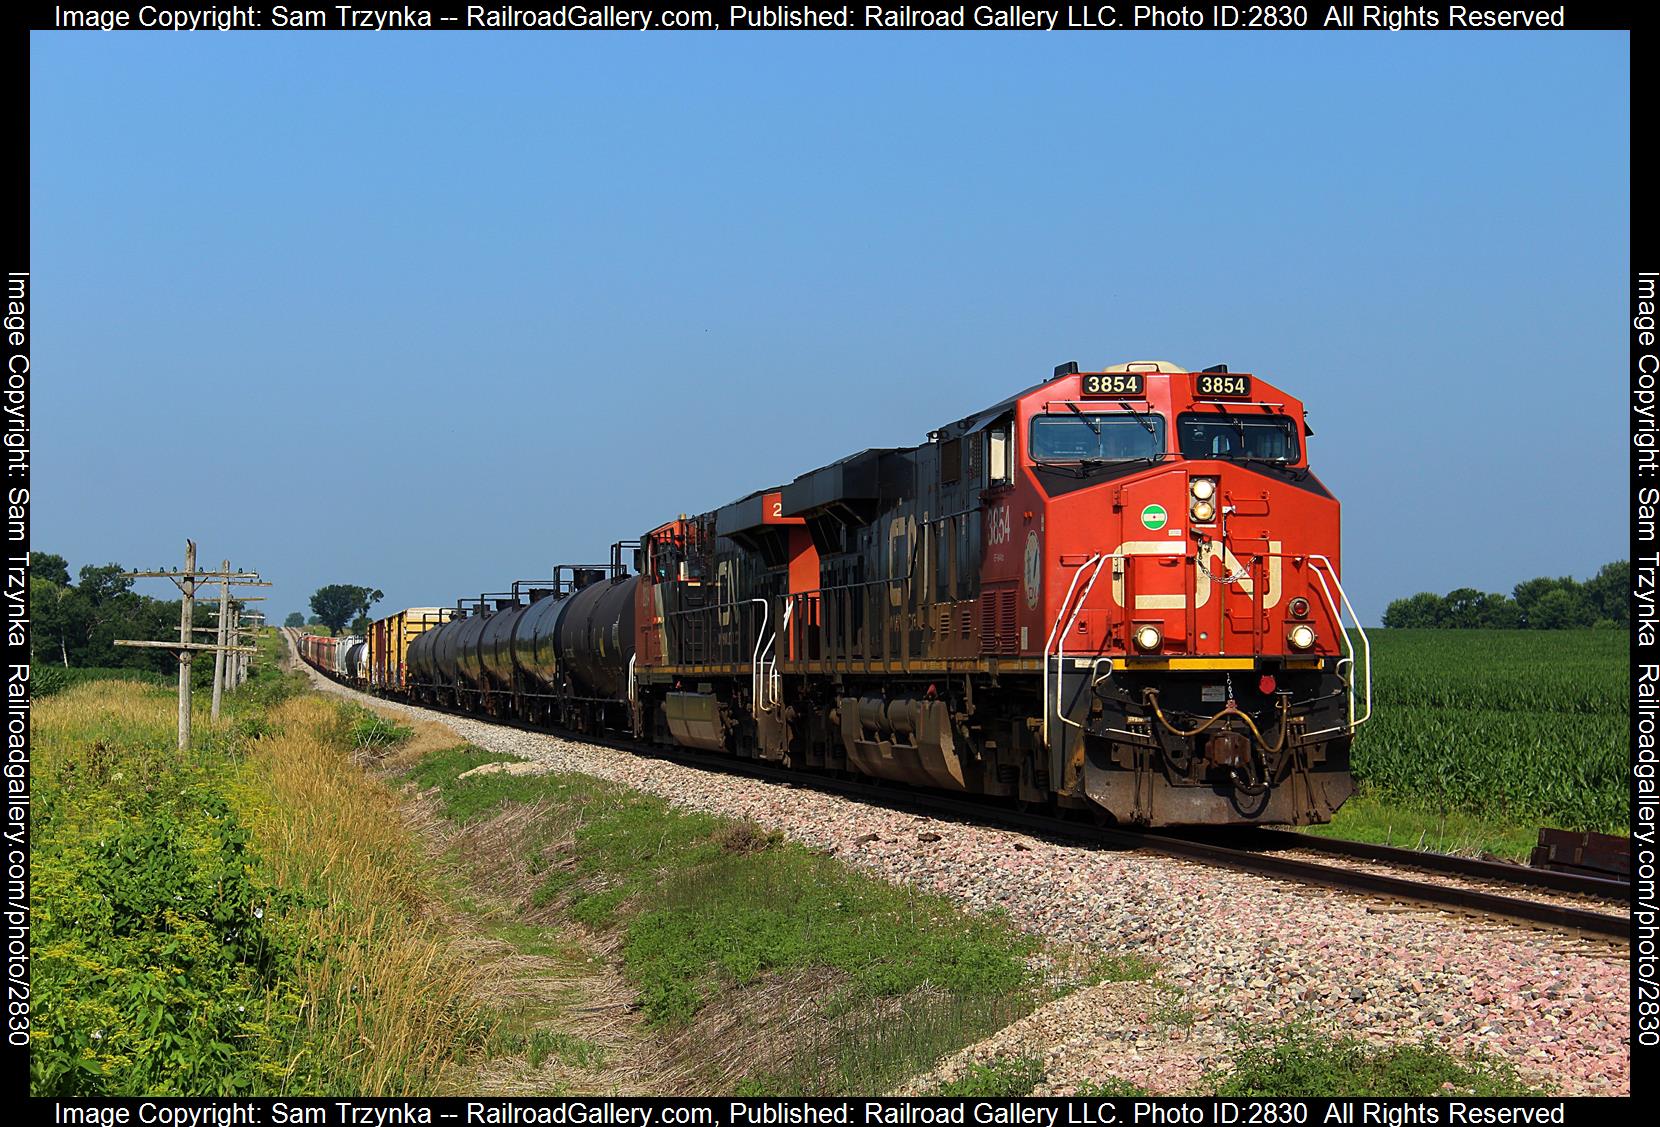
x,y
1503,872
1259,858
1426,893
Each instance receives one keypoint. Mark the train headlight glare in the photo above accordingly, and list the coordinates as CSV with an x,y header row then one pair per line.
x,y
1203,488
1204,511
1302,636
1148,638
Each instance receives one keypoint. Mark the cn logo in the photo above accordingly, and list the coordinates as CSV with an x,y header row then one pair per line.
x,y
1237,574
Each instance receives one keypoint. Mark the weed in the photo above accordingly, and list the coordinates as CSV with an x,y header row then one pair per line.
x,y
1003,1077
1297,1060
239,917
1112,1086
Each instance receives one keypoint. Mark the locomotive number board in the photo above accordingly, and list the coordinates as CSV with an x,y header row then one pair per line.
x,y
1213,384
1116,384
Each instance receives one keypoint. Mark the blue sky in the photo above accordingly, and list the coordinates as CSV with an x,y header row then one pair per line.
x,y
436,311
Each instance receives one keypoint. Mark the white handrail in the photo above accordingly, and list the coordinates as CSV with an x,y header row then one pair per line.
x,y
775,685
1323,564
1060,642
1097,560
767,683
755,657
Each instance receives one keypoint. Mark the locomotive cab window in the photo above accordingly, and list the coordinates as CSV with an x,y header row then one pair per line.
x,y
1238,437
1097,437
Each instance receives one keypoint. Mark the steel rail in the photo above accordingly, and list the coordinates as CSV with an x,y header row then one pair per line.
x,y
1505,872
1184,848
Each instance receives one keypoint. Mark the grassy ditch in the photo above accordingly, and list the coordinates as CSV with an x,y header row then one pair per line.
x,y
764,967
247,916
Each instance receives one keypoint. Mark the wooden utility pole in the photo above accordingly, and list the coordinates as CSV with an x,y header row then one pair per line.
x,y
187,618
219,653
187,581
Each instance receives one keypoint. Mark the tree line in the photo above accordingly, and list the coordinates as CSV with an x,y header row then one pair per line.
x,y
337,606
1544,603
75,624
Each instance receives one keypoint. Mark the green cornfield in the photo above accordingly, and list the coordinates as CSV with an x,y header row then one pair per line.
x,y
1529,727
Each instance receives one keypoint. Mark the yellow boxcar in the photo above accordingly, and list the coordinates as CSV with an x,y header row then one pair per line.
x,y
389,640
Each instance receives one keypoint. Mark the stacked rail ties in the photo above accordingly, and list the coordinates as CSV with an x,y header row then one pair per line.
x,y
1112,596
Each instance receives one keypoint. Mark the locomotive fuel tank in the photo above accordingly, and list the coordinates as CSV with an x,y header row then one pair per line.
x,y
596,637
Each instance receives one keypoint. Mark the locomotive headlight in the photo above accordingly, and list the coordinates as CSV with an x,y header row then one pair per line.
x,y
1147,638
1204,512
1301,636
1203,488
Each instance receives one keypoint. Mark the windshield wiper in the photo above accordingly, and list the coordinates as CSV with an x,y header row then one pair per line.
x,y
1083,467
1074,466
1093,425
1237,425
1278,463
1140,418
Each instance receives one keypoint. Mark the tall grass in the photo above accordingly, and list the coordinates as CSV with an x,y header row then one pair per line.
x,y
46,680
387,1009
245,916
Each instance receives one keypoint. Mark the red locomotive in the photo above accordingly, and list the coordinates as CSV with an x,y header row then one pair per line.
x,y
1115,590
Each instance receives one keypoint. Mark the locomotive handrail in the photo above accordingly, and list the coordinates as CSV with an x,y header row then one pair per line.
x,y
684,617
1060,645
770,685
1099,560
1323,564
755,659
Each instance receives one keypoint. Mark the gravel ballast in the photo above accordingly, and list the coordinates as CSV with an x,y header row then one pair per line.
x,y
1230,947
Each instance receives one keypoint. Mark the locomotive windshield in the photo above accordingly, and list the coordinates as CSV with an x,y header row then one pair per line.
x,y
1097,437
1238,437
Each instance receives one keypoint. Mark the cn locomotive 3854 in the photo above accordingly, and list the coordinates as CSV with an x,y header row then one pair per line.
x,y
1114,591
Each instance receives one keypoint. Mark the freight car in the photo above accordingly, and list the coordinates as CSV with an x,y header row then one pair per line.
x,y
1114,591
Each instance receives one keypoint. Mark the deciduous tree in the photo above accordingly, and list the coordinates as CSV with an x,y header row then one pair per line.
x,y
338,603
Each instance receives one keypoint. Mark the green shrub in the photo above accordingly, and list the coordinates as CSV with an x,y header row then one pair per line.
x,y
156,954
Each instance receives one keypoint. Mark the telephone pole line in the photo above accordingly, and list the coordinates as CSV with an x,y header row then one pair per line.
x,y
224,642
